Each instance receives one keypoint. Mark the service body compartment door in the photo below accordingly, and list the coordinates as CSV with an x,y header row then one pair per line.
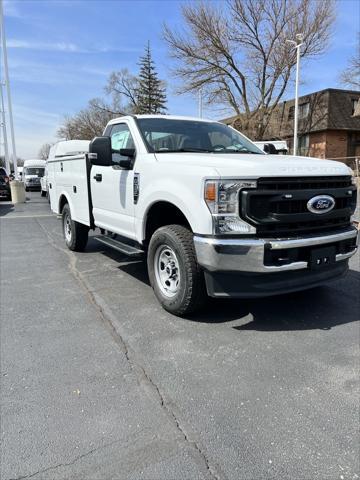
x,y
67,176
112,188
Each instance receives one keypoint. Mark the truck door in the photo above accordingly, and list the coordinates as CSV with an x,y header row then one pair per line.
x,y
112,188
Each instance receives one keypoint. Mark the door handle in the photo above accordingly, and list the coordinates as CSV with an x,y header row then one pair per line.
x,y
98,177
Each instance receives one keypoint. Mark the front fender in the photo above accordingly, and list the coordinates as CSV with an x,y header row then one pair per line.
x,y
190,203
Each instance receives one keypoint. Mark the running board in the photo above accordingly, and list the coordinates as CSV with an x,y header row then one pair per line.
x,y
124,248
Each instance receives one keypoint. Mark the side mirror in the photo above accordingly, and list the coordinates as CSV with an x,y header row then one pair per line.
x,y
127,163
127,152
270,148
100,151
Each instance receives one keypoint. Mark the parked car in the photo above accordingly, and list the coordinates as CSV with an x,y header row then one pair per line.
x,y
33,170
211,212
278,147
4,184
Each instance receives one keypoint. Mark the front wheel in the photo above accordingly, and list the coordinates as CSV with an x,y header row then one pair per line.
x,y
174,273
43,193
75,233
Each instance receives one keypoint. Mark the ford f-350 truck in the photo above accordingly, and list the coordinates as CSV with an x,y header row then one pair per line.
x,y
213,214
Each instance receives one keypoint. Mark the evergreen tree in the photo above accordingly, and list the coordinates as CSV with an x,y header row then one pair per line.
x,y
151,93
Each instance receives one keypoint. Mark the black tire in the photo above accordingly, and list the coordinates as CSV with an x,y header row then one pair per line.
x,y
26,189
190,290
75,233
43,193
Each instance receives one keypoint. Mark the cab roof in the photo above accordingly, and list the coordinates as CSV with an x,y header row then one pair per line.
x,y
165,117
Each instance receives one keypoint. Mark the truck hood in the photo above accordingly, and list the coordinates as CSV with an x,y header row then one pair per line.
x,y
249,165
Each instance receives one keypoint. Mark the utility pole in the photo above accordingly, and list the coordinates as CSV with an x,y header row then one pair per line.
x,y
8,93
298,43
3,125
200,106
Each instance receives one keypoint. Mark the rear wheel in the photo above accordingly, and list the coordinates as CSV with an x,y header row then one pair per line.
x,y
43,193
174,273
75,233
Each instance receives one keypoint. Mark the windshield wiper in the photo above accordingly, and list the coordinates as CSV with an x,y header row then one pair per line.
x,y
185,150
238,151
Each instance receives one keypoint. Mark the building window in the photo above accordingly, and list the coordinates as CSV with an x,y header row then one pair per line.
x,y
354,103
304,145
304,110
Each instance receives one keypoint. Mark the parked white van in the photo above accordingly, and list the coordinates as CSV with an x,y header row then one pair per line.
x,y
33,170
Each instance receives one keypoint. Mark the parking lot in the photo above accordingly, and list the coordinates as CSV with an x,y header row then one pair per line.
x,y
98,382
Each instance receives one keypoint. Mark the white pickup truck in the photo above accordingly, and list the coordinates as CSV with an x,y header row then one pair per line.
x,y
213,214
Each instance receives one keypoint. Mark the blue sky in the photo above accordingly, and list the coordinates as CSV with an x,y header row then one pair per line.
x,y
61,52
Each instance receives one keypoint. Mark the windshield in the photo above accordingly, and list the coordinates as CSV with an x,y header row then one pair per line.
x,y
38,171
164,135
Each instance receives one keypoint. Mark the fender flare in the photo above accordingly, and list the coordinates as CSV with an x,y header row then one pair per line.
x,y
68,201
149,207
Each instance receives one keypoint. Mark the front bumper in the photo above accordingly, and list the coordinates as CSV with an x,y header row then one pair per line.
x,y
239,268
33,186
248,255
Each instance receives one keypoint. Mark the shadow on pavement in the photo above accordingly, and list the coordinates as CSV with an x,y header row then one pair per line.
x,y
5,208
317,308
135,267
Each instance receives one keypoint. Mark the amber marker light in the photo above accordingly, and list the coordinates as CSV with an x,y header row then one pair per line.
x,y
210,192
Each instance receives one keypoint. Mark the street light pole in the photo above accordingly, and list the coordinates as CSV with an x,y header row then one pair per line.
x,y
7,82
3,125
298,44
200,103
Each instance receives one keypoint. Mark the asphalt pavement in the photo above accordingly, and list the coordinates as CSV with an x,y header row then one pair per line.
x,y
99,382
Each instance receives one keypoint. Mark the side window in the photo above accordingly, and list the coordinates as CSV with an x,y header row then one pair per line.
x,y
120,138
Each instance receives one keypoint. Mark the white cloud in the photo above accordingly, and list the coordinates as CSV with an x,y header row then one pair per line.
x,y
58,74
38,117
10,9
65,47
59,46
31,135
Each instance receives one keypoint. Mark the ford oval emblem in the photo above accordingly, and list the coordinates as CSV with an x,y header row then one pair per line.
x,y
321,204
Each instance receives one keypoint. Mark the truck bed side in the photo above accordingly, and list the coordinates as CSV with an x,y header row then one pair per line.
x,y
68,181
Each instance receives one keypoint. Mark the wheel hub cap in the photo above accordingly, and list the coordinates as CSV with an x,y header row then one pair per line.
x,y
67,227
167,271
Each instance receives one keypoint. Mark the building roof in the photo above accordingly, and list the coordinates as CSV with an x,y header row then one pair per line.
x,y
330,109
339,109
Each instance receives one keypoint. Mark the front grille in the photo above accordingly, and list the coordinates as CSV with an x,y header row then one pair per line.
x,y
278,207
308,183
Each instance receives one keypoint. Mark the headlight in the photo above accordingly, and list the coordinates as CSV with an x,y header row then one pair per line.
x,y
222,199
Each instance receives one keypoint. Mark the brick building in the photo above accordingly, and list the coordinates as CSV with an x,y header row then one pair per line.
x,y
329,124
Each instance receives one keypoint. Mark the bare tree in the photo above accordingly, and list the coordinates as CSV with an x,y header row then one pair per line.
x,y
123,86
237,52
88,123
351,75
91,121
44,151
